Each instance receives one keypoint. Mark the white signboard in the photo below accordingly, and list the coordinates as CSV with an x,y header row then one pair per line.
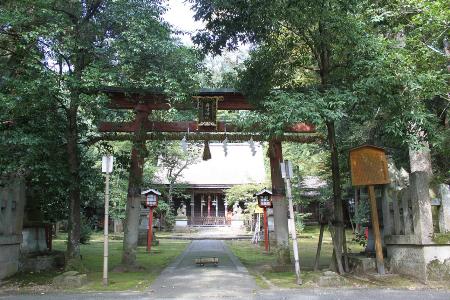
x,y
107,164
286,169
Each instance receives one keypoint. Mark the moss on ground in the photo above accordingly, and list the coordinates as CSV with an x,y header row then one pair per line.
x,y
92,259
441,238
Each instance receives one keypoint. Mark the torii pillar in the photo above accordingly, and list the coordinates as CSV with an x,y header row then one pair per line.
x,y
280,205
138,154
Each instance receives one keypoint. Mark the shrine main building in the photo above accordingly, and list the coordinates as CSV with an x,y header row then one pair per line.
x,y
207,181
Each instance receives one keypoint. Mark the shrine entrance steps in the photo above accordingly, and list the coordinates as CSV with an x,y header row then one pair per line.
x,y
184,279
210,233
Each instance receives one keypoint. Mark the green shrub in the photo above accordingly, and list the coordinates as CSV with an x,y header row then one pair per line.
x,y
85,231
165,211
169,221
299,221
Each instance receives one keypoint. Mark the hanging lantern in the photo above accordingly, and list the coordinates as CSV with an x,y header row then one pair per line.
x,y
151,198
206,151
264,198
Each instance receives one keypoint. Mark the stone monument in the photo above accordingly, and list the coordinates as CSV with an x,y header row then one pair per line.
x,y
237,220
408,227
12,203
181,220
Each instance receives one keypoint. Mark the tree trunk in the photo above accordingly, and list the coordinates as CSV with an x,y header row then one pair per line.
x,y
74,220
74,223
420,158
169,196
131,224
338,221
280,205
319,248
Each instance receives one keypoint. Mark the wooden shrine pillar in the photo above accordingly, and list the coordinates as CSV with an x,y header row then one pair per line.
x,y
192,207
138,154
280,205
209,205
202,202
217,205
226,210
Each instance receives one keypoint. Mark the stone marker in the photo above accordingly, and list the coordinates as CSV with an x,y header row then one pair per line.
x,y
70,279
444,210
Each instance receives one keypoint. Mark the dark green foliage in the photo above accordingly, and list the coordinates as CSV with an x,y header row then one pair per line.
x,y
242,192
54,59
86,231
376,69
165,213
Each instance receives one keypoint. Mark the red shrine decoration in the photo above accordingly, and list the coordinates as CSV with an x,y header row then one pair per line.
x,y
151,201
265,201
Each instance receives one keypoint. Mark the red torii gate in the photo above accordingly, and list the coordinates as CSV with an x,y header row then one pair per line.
x,y
144,102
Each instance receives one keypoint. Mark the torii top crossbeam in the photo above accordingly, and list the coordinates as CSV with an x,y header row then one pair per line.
x,y
207,101
154,100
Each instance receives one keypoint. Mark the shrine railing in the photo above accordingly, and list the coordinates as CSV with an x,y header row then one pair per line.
x,y
208,221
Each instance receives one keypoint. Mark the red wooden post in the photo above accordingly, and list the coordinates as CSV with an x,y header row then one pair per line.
x,y
266,231
150,229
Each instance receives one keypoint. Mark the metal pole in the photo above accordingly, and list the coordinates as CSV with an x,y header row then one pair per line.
x,y
293,232
150,229
105,227
266,231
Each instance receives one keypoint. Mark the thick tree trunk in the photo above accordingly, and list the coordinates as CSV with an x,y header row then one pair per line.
x,y
280,205
131,225
338,221
74,221
74,224
420,159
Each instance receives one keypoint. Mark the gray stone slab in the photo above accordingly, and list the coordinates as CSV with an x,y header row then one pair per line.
x,y
444,210
421,205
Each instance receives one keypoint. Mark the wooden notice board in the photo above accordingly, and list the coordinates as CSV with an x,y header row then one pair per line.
x,y
368,166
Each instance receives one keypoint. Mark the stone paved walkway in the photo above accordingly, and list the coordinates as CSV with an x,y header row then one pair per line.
x,y
230,280
184,279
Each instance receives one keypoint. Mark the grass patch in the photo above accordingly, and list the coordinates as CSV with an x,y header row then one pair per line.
x,y
259,262
92,258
